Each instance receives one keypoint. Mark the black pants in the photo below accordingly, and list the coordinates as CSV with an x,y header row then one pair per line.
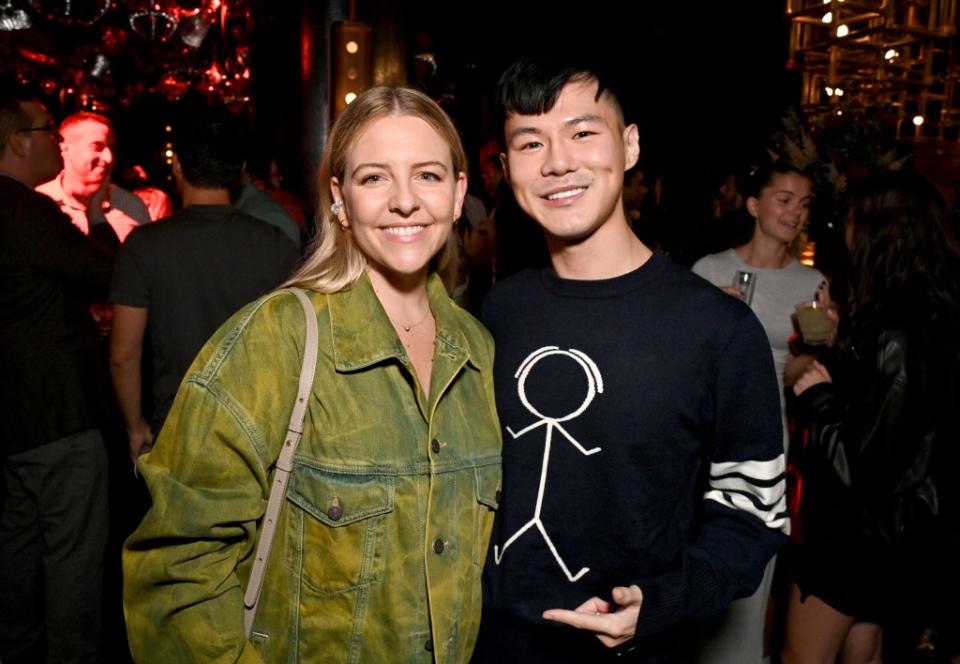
x,y
53,530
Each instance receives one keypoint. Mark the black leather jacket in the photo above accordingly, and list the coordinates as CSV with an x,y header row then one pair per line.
x,y
884,436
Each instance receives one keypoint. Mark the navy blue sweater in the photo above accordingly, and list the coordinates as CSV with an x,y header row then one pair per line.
x,y
642,445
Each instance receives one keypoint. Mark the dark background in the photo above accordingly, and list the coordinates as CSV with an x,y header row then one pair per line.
x,y
707,82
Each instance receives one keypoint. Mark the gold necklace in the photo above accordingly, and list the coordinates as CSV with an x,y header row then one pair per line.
x,y
407,328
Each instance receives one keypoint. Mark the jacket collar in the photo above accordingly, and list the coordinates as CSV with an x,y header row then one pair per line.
x,y
363,335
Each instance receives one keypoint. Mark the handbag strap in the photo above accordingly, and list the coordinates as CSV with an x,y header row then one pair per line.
x,y
284,465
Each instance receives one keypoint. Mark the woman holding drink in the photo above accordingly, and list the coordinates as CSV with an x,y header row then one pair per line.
x,y
767,277
879,560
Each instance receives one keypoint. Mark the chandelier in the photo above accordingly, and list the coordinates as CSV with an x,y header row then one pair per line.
x,y
899,56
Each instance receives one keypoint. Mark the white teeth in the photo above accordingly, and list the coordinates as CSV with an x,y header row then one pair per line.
x,y
404,230
566,194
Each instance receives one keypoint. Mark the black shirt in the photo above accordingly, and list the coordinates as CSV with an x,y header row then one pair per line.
x,y
193,270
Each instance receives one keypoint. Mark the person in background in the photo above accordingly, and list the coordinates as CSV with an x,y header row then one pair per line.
x,y
183,278
779,202
879,564
253,197
159,203
387,517
54,516
83,189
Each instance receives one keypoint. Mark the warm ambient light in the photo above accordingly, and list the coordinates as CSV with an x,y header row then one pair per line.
x,y
843,31
349,97
352,47
828,17
891,54
918,120
808,254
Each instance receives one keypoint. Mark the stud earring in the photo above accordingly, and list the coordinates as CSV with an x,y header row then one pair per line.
x,y
335,207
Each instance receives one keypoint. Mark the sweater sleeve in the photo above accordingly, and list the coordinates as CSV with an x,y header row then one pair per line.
x,y
744,514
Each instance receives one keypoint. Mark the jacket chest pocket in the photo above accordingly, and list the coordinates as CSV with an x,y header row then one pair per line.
x,y
339,526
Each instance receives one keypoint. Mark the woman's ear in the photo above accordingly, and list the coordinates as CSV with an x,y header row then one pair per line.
x,y
753,207
337,207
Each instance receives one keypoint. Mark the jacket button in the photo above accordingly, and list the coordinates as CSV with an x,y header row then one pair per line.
x,y
435,446
428,646
498,495
334,511
438,545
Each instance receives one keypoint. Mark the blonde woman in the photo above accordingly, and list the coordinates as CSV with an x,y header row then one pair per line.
x,y
381,539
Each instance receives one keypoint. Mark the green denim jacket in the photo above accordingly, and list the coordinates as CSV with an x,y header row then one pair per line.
x,y
382,538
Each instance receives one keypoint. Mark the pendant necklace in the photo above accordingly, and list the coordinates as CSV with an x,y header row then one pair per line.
x,y
407,328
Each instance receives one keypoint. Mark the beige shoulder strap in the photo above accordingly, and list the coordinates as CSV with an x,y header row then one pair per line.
x,y
284,464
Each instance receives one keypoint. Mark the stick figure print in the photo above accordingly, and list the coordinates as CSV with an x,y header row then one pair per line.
x,y
594,387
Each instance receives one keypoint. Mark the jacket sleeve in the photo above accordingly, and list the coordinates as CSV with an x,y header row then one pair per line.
x,y
744,514
56,247
183,598
867,441
186,566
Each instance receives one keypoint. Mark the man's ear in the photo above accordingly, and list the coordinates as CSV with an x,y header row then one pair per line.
x,y
15,143
753,207
176,167
505,165
631,146
460,195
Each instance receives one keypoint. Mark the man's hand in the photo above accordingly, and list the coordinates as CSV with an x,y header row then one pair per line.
x,y
141,440
613,624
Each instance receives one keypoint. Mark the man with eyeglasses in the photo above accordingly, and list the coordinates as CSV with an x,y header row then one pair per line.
x,y
53,521
83,189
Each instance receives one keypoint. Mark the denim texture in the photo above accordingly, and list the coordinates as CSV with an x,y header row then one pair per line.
x,y
382,538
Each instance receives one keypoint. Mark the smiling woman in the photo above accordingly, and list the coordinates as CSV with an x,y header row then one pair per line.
x,y
778,199
381,540
400,210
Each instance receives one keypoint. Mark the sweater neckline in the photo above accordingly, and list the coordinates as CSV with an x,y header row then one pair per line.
x,y
604,288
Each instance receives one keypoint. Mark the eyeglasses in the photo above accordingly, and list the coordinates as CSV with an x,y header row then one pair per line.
x,y
48,128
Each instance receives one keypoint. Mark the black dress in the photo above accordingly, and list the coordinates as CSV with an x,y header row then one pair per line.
x,y
880,510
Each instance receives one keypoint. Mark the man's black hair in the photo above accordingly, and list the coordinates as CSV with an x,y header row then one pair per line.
x,y
12,115
531,86
210,146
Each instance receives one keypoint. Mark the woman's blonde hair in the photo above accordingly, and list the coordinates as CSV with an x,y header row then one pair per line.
x,y
334,261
